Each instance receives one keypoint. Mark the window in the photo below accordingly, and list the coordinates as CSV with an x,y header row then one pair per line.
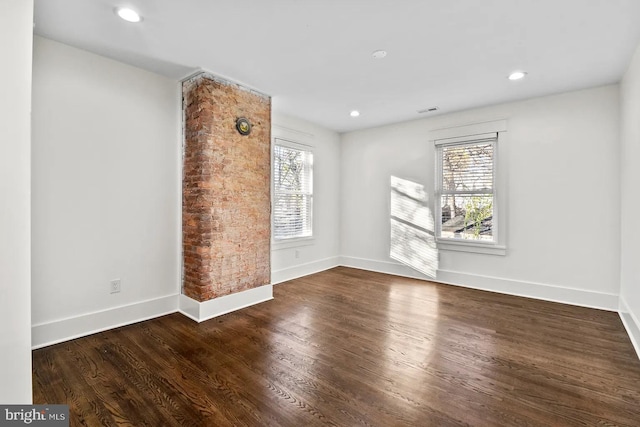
x,y
467,201
293,191
466,190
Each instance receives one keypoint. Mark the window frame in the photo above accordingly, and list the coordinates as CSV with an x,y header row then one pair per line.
x,y
290,242
465,135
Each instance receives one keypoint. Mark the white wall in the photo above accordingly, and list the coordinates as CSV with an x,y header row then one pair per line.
x,y
630,202
563,225
16,28
324,250
106,152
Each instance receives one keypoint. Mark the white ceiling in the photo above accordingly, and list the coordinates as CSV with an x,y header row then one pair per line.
x,y
314,56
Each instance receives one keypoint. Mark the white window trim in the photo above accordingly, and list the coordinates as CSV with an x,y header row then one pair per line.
x,y
296,242
300,141
466,134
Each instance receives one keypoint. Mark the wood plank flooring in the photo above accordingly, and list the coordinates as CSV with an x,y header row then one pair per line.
x,y
347,348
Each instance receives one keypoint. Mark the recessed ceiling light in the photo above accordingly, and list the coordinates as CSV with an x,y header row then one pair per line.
x,y
128,15
354,113
379,54
517,75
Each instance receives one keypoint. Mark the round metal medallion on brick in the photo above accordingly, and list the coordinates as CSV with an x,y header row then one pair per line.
x,y
243,126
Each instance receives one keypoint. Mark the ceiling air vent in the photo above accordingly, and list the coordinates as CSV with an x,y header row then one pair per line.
x,y
428,110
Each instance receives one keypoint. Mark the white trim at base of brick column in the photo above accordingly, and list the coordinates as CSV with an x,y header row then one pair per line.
x,y
201,311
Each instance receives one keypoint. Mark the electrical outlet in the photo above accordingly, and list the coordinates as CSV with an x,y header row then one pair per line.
x,y
297,254
115,286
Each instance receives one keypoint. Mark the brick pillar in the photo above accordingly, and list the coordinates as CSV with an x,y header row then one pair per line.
x,y
226,227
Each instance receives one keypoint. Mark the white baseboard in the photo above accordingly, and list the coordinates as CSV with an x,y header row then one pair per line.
x,y
387,267
579,297
631,324
301,270
48,333
201,311
542,291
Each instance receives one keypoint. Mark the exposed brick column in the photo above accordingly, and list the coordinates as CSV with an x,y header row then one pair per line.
x,y
226,228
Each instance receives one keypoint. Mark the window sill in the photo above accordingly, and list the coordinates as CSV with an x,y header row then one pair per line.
x,y
292,243
475,247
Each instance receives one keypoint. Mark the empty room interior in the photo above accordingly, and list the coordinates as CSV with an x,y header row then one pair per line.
x,y
297,213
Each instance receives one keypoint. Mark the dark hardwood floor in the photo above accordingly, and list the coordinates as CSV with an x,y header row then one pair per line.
x,y
347,347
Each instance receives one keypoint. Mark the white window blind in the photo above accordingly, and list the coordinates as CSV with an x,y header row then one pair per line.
x,y
293,191
466,193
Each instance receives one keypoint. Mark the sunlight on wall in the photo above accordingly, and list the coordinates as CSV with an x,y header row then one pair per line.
x,y
412,227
